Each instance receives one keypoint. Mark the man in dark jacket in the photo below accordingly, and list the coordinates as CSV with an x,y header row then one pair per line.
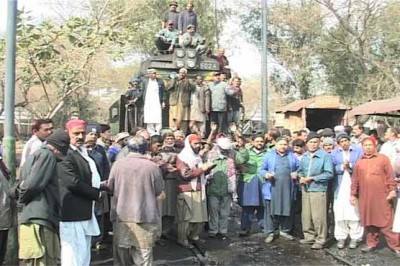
x,y
5,209
172,15
98,154
39,194
79,189
187,17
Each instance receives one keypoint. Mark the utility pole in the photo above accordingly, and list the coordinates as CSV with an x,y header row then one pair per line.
x,y
9,128
264,69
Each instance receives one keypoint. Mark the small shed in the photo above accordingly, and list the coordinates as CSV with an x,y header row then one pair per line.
x,y
314,113
387,107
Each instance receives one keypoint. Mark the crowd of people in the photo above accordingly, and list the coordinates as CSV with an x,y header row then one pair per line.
x,y
79,183
189,104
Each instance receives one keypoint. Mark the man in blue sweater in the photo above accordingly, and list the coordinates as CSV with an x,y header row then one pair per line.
x,y
316,168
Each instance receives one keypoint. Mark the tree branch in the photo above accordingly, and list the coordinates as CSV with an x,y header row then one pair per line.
x,y
41,80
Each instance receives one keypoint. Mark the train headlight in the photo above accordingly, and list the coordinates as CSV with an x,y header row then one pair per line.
x,y
180,53
191,54
180,63
191,63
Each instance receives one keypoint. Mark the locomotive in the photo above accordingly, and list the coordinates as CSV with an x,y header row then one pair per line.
x,y
167,66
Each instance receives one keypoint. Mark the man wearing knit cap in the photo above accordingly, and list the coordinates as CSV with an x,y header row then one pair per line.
x,y
137,186
38,192
191,201
79,189
328,144
347,216
315,170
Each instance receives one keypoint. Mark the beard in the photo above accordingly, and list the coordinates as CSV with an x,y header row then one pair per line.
x,y
196,150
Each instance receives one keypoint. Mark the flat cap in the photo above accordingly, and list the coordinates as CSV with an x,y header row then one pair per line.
x,y
312,135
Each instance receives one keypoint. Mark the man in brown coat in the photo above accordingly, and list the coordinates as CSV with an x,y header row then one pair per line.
x,y
137,184
200,106
179,100
373,188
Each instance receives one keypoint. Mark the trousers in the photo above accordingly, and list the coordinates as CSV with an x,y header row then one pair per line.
x,y
313,216
220,208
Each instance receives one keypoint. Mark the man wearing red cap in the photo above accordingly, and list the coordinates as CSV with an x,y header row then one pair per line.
x,y
79,183
373,189
191,202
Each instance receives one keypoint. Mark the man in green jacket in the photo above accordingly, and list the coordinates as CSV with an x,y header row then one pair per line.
x,y
222,183
250,187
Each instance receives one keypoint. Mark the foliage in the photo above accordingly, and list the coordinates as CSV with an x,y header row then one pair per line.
x,y
293,33
59,60
355,44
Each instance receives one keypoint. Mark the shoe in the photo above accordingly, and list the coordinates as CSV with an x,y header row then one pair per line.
x,y
397,252
367,249
161,242
212,235
196,240
353,244
340,244
186,244
223,236
244,232
307,241
270,238
286,236
317,246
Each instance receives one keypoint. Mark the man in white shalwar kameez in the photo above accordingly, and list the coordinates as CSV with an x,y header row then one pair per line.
x,y
154,101
79,188
347,217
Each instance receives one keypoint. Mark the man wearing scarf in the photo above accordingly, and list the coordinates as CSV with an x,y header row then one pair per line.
x,y
373,189
79,182
191,201
222,183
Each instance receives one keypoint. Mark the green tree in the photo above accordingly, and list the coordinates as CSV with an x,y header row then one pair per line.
x,y
294,31
58,60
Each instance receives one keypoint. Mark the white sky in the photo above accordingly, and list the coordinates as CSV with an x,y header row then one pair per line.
x,y
244,58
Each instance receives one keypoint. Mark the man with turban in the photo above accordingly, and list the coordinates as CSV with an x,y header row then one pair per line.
x,y
373,189
191,201
38,192
79,189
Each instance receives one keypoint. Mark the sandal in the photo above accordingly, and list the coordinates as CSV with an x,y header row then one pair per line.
x,y
186,245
